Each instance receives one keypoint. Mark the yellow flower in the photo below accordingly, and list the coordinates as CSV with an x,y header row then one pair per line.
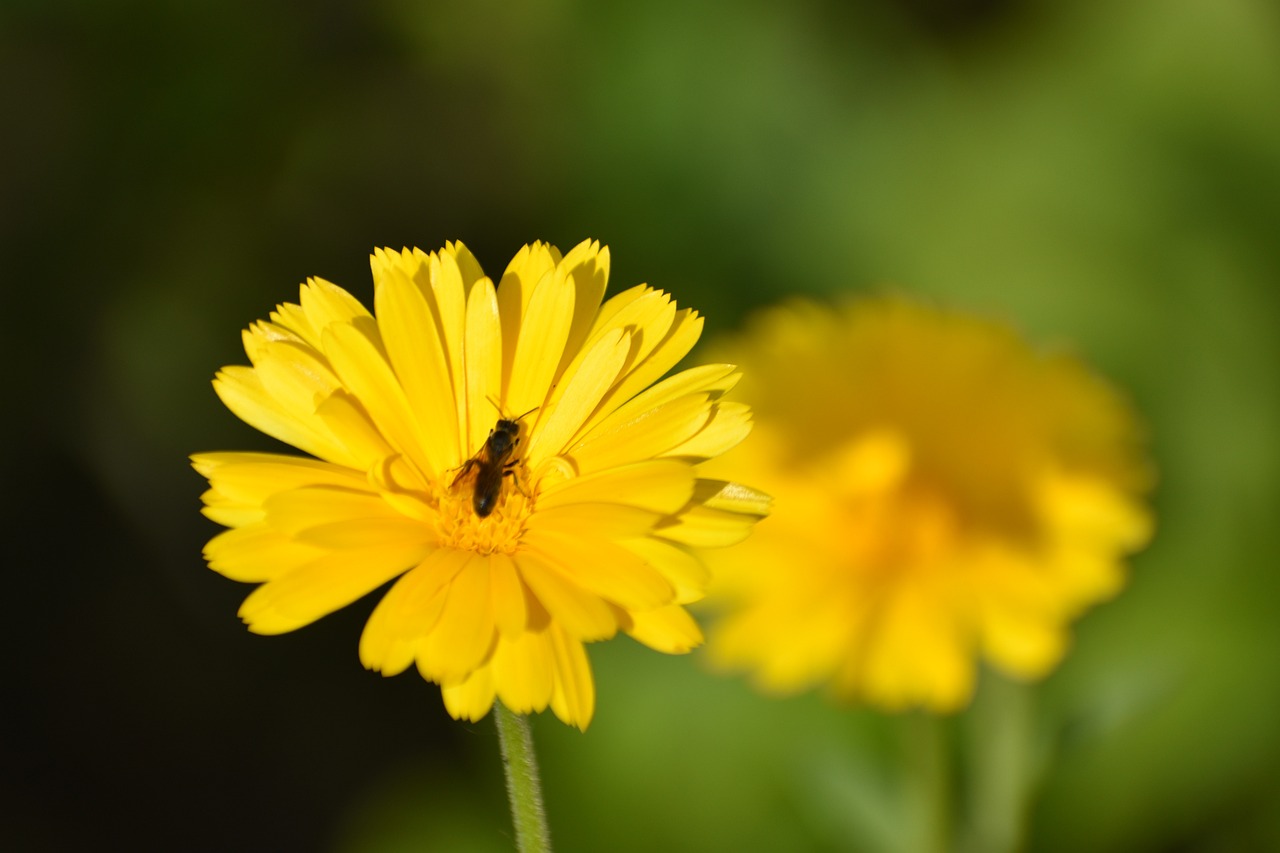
x,y
509,564
943,493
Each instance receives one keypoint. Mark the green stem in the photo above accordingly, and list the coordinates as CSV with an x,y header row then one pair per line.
x,y
929,766
523,787
1002,766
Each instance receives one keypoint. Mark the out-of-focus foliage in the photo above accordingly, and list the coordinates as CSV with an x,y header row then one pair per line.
x,y
1101,174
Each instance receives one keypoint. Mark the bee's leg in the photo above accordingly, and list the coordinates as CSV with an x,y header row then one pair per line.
x,y
512,470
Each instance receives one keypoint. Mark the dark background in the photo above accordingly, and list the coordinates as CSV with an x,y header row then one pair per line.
x,y
1098,173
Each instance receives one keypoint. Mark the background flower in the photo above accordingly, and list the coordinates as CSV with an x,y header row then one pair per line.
x,y
944,492
594,531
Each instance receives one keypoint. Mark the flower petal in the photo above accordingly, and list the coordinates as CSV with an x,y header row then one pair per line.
x,y
450,300
1018,638
369,533
687,574
257,553
463,637
580,612
241,391
660,485
587,267
409,611
711,379
293,320
346,418
606,521
468,266
483,354
647,435
418,355
227,512
666,629
918,652
643,320
524,671
602,567
302,595
703,527
574,696
323,302
732,497
655,421
728,426
515,289
810,634
683,333
510,596
543,331
581,396
249,478
1092,512
311,506
357,357
471,698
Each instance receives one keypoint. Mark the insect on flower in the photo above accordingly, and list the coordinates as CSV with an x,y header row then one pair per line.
x,y
493,462
496,585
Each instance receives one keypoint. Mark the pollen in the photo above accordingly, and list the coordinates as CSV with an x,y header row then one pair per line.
x,y
499,532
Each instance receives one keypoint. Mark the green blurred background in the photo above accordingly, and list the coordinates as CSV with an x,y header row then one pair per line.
x,y
1103,174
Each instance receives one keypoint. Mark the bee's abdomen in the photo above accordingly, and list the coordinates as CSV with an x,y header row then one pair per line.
x,y
483,503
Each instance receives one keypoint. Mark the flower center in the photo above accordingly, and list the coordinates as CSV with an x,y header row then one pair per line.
x,y
893,517
461,527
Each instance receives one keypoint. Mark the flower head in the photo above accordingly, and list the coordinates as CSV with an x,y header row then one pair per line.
x,y
943,493
503,451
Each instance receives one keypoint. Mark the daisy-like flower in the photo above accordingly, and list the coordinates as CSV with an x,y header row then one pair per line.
x,y
578,516
944,493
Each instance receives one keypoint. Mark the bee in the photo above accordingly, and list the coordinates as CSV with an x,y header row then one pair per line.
x,y
493,463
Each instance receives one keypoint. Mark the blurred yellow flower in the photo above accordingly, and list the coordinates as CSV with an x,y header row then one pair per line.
x,y
509,564
942,493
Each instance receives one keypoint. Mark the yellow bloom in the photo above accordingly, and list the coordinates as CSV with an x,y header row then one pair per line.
x,y
594,514
943,493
